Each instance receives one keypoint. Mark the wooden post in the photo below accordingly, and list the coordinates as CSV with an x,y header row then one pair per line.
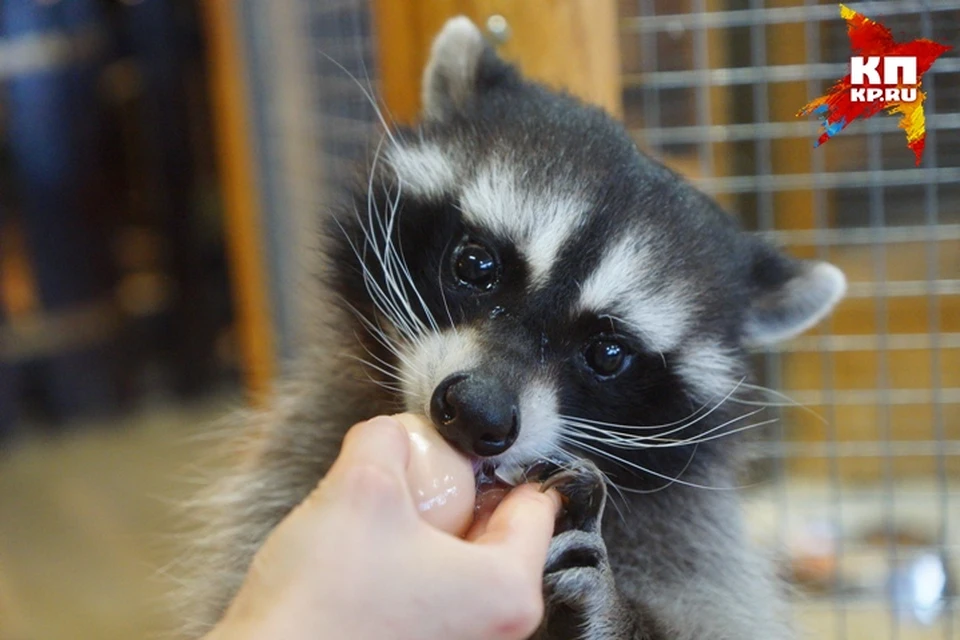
x,y
240,193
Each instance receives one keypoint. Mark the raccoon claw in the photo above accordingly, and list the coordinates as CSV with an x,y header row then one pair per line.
x,y
540,470
577,576
585,495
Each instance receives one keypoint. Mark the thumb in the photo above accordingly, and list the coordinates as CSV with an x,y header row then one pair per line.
x,y
381,442
370,471
522,525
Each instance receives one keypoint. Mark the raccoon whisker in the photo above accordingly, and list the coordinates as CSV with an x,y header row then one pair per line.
x,y
604,435
394,372
653,442
684,423
400,301
378,334
787,401
564,462
627,445
395,264
396,390
374,366
376,293
374,330
367,94
720,427
402,263
613,485
652,427
393,299
389,365
744,416
636,467
381,336
672,481
380,383
754,425
639,330
395,271
387,305
443,297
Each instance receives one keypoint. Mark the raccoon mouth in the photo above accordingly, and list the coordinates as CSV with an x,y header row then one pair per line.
x,y
495,480
489,472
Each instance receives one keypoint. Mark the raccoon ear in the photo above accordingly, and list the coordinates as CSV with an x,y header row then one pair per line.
x,y
461,62
789,295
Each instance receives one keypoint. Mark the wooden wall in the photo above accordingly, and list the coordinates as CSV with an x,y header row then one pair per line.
x,y
572,44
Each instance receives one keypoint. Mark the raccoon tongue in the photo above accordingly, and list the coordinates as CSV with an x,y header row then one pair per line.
x,y
441,480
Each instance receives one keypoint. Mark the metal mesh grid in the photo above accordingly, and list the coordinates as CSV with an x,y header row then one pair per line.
x,y
312,75
712,87
345,70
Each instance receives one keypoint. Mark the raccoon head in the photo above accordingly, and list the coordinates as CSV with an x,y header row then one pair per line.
x,y
530,280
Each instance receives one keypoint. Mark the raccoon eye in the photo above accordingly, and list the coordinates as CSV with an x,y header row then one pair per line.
x,y
606,356
475,266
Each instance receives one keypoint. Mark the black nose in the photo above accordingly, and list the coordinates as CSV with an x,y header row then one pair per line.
x,y
476,412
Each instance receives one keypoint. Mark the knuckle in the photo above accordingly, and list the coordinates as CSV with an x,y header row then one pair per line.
x,y
521,618
521,604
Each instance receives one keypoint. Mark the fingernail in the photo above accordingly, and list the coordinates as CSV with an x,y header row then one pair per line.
x,y
384,421
555,497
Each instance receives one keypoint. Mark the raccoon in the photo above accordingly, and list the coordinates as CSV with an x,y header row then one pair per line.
x,y
516,269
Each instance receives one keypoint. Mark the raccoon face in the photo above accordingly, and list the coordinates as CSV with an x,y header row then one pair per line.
x,y
523,275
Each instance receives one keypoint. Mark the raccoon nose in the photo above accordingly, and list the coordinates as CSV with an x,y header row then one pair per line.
x,y
476,413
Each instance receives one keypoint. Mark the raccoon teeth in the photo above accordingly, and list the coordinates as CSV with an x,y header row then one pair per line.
x,y
512,475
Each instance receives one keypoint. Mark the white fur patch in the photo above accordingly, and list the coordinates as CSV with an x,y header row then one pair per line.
x,y
437,355
539,222
539,428
423,170
621,287
709,370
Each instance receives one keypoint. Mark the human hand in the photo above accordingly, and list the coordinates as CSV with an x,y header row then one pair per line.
x,y
355,560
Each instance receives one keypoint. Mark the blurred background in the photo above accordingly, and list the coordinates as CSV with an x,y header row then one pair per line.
x,y
164,162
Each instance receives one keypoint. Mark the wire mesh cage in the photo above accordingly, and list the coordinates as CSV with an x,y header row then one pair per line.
x,y
863,506
859,493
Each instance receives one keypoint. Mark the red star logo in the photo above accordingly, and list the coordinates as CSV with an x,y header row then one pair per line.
x,y
839,107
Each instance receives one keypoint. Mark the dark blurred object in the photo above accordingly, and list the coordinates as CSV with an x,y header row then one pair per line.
x,y
54,122
105,125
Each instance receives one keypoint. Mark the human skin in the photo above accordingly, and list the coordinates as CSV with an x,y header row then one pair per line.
x,y
355,560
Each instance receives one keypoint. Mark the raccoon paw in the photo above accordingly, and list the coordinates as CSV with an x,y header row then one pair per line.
x,y
580,594
584,493
576,565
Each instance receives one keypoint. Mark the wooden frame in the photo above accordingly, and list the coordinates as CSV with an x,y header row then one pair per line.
x,y
572,44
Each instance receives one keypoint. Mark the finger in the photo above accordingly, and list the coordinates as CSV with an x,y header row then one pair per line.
x,y
381,442
487,502
523,525
369,475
